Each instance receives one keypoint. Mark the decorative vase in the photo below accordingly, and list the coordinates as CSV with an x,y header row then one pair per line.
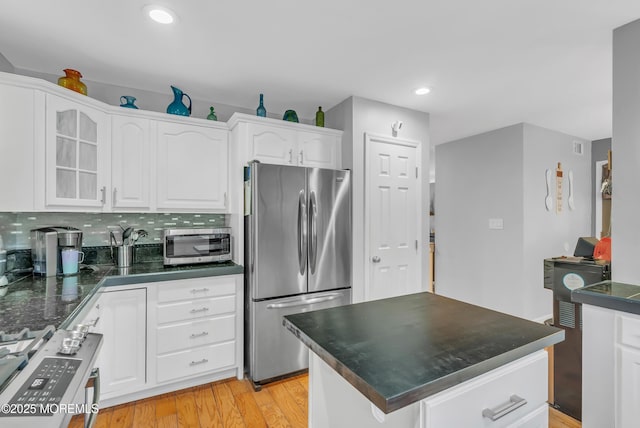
x,y
291,116
320,117
212,114
72,81
177,106
128,101
261,111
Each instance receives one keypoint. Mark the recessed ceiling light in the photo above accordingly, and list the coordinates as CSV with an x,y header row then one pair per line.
x,y
160,14
422,91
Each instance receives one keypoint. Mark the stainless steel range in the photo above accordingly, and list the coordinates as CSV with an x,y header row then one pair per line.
x,y
47,386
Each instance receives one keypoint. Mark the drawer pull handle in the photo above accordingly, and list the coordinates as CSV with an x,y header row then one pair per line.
x,y
514,403
194,335
199,290
195,311
195,363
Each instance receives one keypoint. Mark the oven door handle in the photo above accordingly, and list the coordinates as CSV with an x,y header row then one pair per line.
x,y
93,381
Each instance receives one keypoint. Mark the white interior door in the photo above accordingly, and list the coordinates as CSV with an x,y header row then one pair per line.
x,y
392,218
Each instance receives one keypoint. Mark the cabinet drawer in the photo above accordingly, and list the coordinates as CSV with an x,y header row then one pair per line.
x,y
500,389
196,333
193,309
629,330
195,361
196,288
539,418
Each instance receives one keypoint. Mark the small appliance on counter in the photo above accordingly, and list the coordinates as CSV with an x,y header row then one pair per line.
x,y
51,246
190,246
561,276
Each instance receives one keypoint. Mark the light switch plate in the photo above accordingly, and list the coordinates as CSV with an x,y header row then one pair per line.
x,y
496,223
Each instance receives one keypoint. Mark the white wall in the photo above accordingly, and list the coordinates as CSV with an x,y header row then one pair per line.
x,y
547,234
356,116
479,178
5,65
625,146
501,175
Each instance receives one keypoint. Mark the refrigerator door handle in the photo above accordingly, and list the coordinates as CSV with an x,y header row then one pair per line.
x,y
302,232
313,218
304,302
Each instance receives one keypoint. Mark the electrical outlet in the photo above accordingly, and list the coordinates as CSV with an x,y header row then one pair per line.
x,y
496,223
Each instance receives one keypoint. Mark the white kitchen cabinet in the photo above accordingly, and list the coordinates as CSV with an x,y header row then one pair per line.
x,y
197,327
76,155
504,397
318,150
120,316
192,167
17,136
628,370
271,144
335,403
130,163
285,143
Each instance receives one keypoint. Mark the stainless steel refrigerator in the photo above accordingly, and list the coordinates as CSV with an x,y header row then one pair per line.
x,y
297,259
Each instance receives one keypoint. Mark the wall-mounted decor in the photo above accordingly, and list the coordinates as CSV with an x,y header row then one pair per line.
x,y
559,188
548,200
570,201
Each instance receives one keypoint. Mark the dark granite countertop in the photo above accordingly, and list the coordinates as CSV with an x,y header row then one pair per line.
x,y
609,294
35,302
398,351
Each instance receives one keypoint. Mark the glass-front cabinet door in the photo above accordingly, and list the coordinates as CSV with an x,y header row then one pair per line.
x,y
76,152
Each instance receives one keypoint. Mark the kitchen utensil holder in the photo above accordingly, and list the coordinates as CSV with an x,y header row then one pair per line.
x,y
123,255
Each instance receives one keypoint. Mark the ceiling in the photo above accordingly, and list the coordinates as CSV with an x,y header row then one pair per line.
x,y
489,63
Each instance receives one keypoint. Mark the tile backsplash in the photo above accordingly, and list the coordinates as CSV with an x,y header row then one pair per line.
x,y
15,227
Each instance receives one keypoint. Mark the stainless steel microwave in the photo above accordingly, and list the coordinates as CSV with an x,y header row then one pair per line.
x,y
189,246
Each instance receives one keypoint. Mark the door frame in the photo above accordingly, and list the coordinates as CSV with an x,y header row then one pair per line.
x,y
369,138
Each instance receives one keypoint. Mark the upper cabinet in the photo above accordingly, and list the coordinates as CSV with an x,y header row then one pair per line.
x,y
76,154
192,167
285,143
17,137
130,163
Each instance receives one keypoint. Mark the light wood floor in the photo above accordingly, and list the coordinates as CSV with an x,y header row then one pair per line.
x,y
230,404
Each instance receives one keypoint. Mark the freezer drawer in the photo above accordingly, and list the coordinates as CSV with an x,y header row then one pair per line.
x,y
272,350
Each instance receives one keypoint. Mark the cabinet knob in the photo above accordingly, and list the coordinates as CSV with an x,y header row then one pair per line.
x,y
301,158
104,195
290,155
375,259
113,200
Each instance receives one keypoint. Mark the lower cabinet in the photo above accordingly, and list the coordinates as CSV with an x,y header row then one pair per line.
x,y
120,316
195,328
511,396
628,370
169,335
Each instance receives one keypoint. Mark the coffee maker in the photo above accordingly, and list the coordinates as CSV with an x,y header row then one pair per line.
x,y
47,244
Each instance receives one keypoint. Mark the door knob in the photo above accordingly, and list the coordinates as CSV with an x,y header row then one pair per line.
x,y
375,259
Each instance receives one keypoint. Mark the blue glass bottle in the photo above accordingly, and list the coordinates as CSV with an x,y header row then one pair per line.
x,y
261,111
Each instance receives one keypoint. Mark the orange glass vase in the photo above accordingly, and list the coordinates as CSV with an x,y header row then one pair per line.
x,y
72,81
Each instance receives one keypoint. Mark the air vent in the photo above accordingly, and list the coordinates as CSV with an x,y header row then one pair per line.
x,y
567,314
578,148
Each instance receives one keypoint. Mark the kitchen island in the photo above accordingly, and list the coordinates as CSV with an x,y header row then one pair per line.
x,y
424,360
